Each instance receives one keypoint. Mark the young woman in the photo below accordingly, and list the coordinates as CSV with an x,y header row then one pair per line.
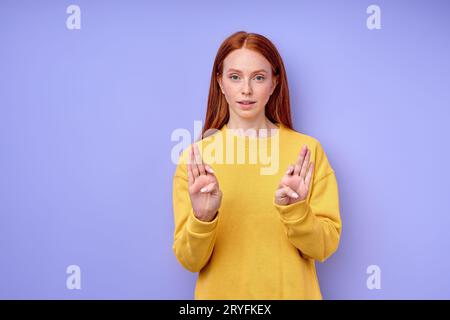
x,y
255,202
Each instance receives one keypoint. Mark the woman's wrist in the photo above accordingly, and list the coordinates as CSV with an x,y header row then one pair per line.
x,y
209,219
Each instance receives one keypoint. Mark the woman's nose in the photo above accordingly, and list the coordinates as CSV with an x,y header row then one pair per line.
x,y
247,89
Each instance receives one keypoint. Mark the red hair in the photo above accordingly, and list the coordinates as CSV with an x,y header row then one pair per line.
x,y
278,108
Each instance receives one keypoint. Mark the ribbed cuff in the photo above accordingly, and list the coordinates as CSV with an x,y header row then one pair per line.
x,y
293,212
197,226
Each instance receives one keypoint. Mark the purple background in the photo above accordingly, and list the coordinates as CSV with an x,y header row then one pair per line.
x,y
86,118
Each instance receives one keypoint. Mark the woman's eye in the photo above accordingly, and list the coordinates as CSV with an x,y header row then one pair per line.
x,y
236,77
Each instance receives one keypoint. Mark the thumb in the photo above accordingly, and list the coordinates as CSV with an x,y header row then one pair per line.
x,y
285,191
208,188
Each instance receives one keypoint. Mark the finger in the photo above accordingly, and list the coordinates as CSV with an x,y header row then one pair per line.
x,y
301,156
305,165
193,164
297,169
209,169
290,169
310,172
191,179
208,188
280,194
199,161
212,174
286,192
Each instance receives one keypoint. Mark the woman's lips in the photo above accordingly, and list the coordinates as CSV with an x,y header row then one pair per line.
x,y
246,105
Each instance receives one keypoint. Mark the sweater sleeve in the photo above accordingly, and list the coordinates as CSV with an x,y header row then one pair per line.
x,y
314,225
193,239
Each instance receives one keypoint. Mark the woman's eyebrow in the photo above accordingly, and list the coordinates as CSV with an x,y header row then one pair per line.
x,y
239,71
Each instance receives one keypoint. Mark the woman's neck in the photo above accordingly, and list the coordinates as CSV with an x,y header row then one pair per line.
x,y
256,125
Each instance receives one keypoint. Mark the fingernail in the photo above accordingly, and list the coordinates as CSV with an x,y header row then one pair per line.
x,y
295,195
210,170
203,189
288,170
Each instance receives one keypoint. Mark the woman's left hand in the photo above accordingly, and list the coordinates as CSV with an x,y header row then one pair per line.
x,y
294,185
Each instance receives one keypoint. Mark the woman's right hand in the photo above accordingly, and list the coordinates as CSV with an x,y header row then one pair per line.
x,y
204,188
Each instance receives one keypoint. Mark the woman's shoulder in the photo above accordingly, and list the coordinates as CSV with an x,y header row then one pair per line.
x,y
294,140
293,136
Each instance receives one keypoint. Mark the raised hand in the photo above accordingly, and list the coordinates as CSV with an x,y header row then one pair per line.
x,y
294,185
204,191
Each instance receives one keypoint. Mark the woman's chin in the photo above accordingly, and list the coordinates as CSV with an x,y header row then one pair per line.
x,y
246,113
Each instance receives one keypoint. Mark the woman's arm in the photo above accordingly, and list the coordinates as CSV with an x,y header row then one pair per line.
x,y
313,225
193,238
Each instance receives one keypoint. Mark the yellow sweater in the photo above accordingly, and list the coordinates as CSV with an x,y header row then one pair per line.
x,y
254,248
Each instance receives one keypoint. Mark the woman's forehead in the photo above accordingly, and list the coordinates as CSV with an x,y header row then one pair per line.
x,y
245,60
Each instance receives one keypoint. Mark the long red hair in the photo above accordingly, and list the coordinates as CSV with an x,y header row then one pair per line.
x,y
278,108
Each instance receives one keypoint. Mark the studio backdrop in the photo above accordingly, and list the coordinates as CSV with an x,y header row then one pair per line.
x,y
91,93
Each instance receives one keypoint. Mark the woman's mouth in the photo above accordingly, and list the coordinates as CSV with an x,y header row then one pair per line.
x,y
246,104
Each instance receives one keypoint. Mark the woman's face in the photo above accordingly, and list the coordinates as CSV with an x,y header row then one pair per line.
x,y
247,82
